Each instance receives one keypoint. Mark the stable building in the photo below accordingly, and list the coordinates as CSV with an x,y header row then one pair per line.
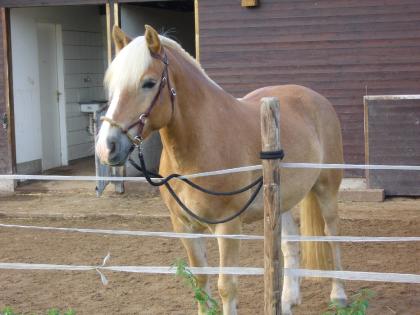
x,y
54,54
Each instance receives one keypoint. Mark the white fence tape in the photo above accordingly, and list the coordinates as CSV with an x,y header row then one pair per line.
x,y
344,275
391,97
126,179
352,166
290,238
214,173
136,233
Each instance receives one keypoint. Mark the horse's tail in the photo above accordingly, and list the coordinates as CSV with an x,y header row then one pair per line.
x,y
315,255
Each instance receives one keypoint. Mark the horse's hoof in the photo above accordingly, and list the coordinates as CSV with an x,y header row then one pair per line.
x,y
297,301
286,309
286,312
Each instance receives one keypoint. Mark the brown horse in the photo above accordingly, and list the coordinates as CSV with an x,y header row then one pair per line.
x,y
204,128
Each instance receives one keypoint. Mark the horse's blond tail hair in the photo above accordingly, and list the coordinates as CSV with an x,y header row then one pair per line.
x,y
315,255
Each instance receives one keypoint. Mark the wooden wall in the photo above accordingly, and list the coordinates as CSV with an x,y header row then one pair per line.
x,y
33,3
343,49
5,135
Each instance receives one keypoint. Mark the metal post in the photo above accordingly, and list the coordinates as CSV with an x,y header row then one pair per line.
x,y
101,170
273,258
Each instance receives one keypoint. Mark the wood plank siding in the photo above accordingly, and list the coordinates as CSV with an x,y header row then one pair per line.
x,y
36,3
6,152
344,49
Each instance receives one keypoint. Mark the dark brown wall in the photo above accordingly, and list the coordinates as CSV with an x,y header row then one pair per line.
x,y
343,49
5,147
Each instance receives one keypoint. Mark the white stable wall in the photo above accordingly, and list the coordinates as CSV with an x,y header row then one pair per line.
x,y
84,68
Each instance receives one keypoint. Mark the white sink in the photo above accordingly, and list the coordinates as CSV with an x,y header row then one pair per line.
x,y
92,107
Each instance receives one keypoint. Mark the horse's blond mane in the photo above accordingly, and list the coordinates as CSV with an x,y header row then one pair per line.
x,y
167,42
130,63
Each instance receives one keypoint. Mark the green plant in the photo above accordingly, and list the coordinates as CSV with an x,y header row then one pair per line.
x,y
209,304
358,305
8,311
55,311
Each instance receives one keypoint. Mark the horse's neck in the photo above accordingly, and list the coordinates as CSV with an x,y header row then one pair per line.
x,y
203,114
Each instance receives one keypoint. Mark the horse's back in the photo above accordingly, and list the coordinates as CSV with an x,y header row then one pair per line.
x,y
294,98
305,109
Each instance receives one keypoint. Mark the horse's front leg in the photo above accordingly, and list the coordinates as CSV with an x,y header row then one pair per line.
x,y
229,257
196,251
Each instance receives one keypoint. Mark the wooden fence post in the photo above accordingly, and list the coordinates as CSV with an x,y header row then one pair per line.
x,y
273,257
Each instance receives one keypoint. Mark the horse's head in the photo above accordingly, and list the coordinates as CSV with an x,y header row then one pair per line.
x,y
141,95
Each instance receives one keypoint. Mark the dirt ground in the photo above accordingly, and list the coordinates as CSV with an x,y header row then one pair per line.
x,y
36,291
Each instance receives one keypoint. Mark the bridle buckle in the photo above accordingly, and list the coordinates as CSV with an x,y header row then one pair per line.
x,y
137,141
143,118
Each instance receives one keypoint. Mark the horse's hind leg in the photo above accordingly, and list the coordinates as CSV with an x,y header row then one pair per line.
x,y
327,193
196,251
229,257
290,294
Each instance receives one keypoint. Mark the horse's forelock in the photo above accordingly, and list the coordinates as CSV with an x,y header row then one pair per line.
x,y
132,61
128,66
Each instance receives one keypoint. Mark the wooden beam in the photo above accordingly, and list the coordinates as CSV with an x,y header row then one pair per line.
x,y
8,85
111,18
273,258
37,3
366,134
197,30
116,14
249,3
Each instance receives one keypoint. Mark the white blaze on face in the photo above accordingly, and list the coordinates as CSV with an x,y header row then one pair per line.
x,y
102,149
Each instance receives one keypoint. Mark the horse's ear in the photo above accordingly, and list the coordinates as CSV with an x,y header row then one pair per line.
x,y
120,38
152,39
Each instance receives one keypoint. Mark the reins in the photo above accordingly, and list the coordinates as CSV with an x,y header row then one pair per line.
x,y
137,141
165,181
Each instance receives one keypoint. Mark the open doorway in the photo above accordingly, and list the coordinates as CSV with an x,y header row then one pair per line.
x,y
59,57
58,62
175,19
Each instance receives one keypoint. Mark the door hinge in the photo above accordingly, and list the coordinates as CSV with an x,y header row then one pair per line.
x,y
58,96
5,121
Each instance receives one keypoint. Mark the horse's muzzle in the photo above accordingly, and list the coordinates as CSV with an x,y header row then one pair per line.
x,y
113,149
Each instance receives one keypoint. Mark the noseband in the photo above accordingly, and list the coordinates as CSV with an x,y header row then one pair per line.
x,y
141,121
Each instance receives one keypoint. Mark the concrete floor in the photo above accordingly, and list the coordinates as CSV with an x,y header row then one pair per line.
x,y
83,167
353,183
80,167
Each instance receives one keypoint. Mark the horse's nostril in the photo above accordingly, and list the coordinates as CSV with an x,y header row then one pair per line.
x,y
112,146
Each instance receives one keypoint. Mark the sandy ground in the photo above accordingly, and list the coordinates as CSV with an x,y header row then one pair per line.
x,y
36,291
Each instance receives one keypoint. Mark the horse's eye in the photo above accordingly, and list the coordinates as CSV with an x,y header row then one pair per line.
x,y
148,84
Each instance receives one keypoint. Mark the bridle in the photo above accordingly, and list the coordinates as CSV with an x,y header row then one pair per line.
x,y
141,121
137,143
